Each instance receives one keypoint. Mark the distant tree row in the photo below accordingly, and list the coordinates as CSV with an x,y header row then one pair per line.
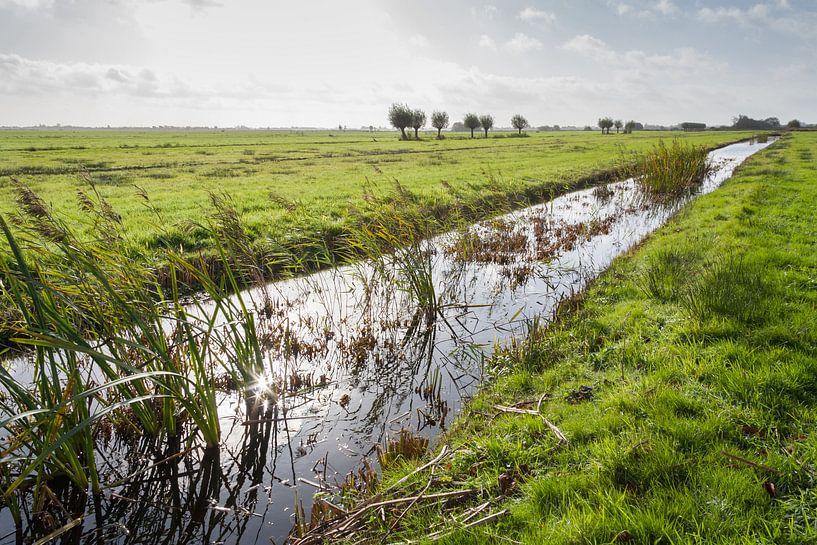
x,y
690,126
743,122
606,123
401,116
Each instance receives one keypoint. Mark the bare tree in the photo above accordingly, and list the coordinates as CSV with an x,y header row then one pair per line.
x,y
618,124
487,123
519,123
401,116
439,120
471,121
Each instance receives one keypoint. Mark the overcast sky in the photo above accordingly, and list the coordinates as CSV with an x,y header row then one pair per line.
x,y
329,62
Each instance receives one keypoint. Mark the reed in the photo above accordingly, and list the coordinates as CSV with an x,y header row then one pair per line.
x,y
109,342
393,235
670,170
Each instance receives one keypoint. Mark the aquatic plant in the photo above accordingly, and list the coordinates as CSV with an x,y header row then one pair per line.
x,y
670,170
110,344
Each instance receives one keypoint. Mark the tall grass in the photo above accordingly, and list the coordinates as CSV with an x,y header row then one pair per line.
x,y
671,170
393,235
727,287
730,287
109,342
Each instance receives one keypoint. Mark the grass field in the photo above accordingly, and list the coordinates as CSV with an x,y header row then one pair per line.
x,y
683,381
298,186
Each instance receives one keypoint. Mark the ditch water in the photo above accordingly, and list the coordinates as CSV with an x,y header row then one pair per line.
x,y
358,361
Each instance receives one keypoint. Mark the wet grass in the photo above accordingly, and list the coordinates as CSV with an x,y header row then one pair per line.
x,y
683,382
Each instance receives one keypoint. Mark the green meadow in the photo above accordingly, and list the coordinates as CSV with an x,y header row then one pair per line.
x,y
683,386
300,186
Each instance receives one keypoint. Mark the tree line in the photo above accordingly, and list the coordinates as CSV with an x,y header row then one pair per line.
x,y
401,116
607,123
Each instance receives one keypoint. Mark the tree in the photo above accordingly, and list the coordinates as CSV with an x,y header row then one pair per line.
x,y
418,120
690,126
439,120
618,124
630,126
471,121
794,124
605,123
487,122
743,122
519,123
400,117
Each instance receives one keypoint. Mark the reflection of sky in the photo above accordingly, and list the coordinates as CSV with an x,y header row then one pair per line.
x,y
324,63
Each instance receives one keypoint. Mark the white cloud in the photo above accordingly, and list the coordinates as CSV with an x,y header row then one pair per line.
x,y
27,77
665,7
487,12
681,63
202,4
487,42
620,7
589,46
26,4
774,15
644,8
419,40
533,15
758,13
522,43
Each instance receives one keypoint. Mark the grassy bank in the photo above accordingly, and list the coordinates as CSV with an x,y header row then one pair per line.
x,y
684,384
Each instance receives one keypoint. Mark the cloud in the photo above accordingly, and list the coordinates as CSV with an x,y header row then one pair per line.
x,y
487,42
533,15
644,8
757,13
202,4
419,40
665,7
522,43
20,76
589,46
774,15
116,75
487,12
681,63
26,4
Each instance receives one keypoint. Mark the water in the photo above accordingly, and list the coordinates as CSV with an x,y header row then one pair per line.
x,y
363,364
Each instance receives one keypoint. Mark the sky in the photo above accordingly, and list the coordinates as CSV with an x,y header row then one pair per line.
x,y
324,63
